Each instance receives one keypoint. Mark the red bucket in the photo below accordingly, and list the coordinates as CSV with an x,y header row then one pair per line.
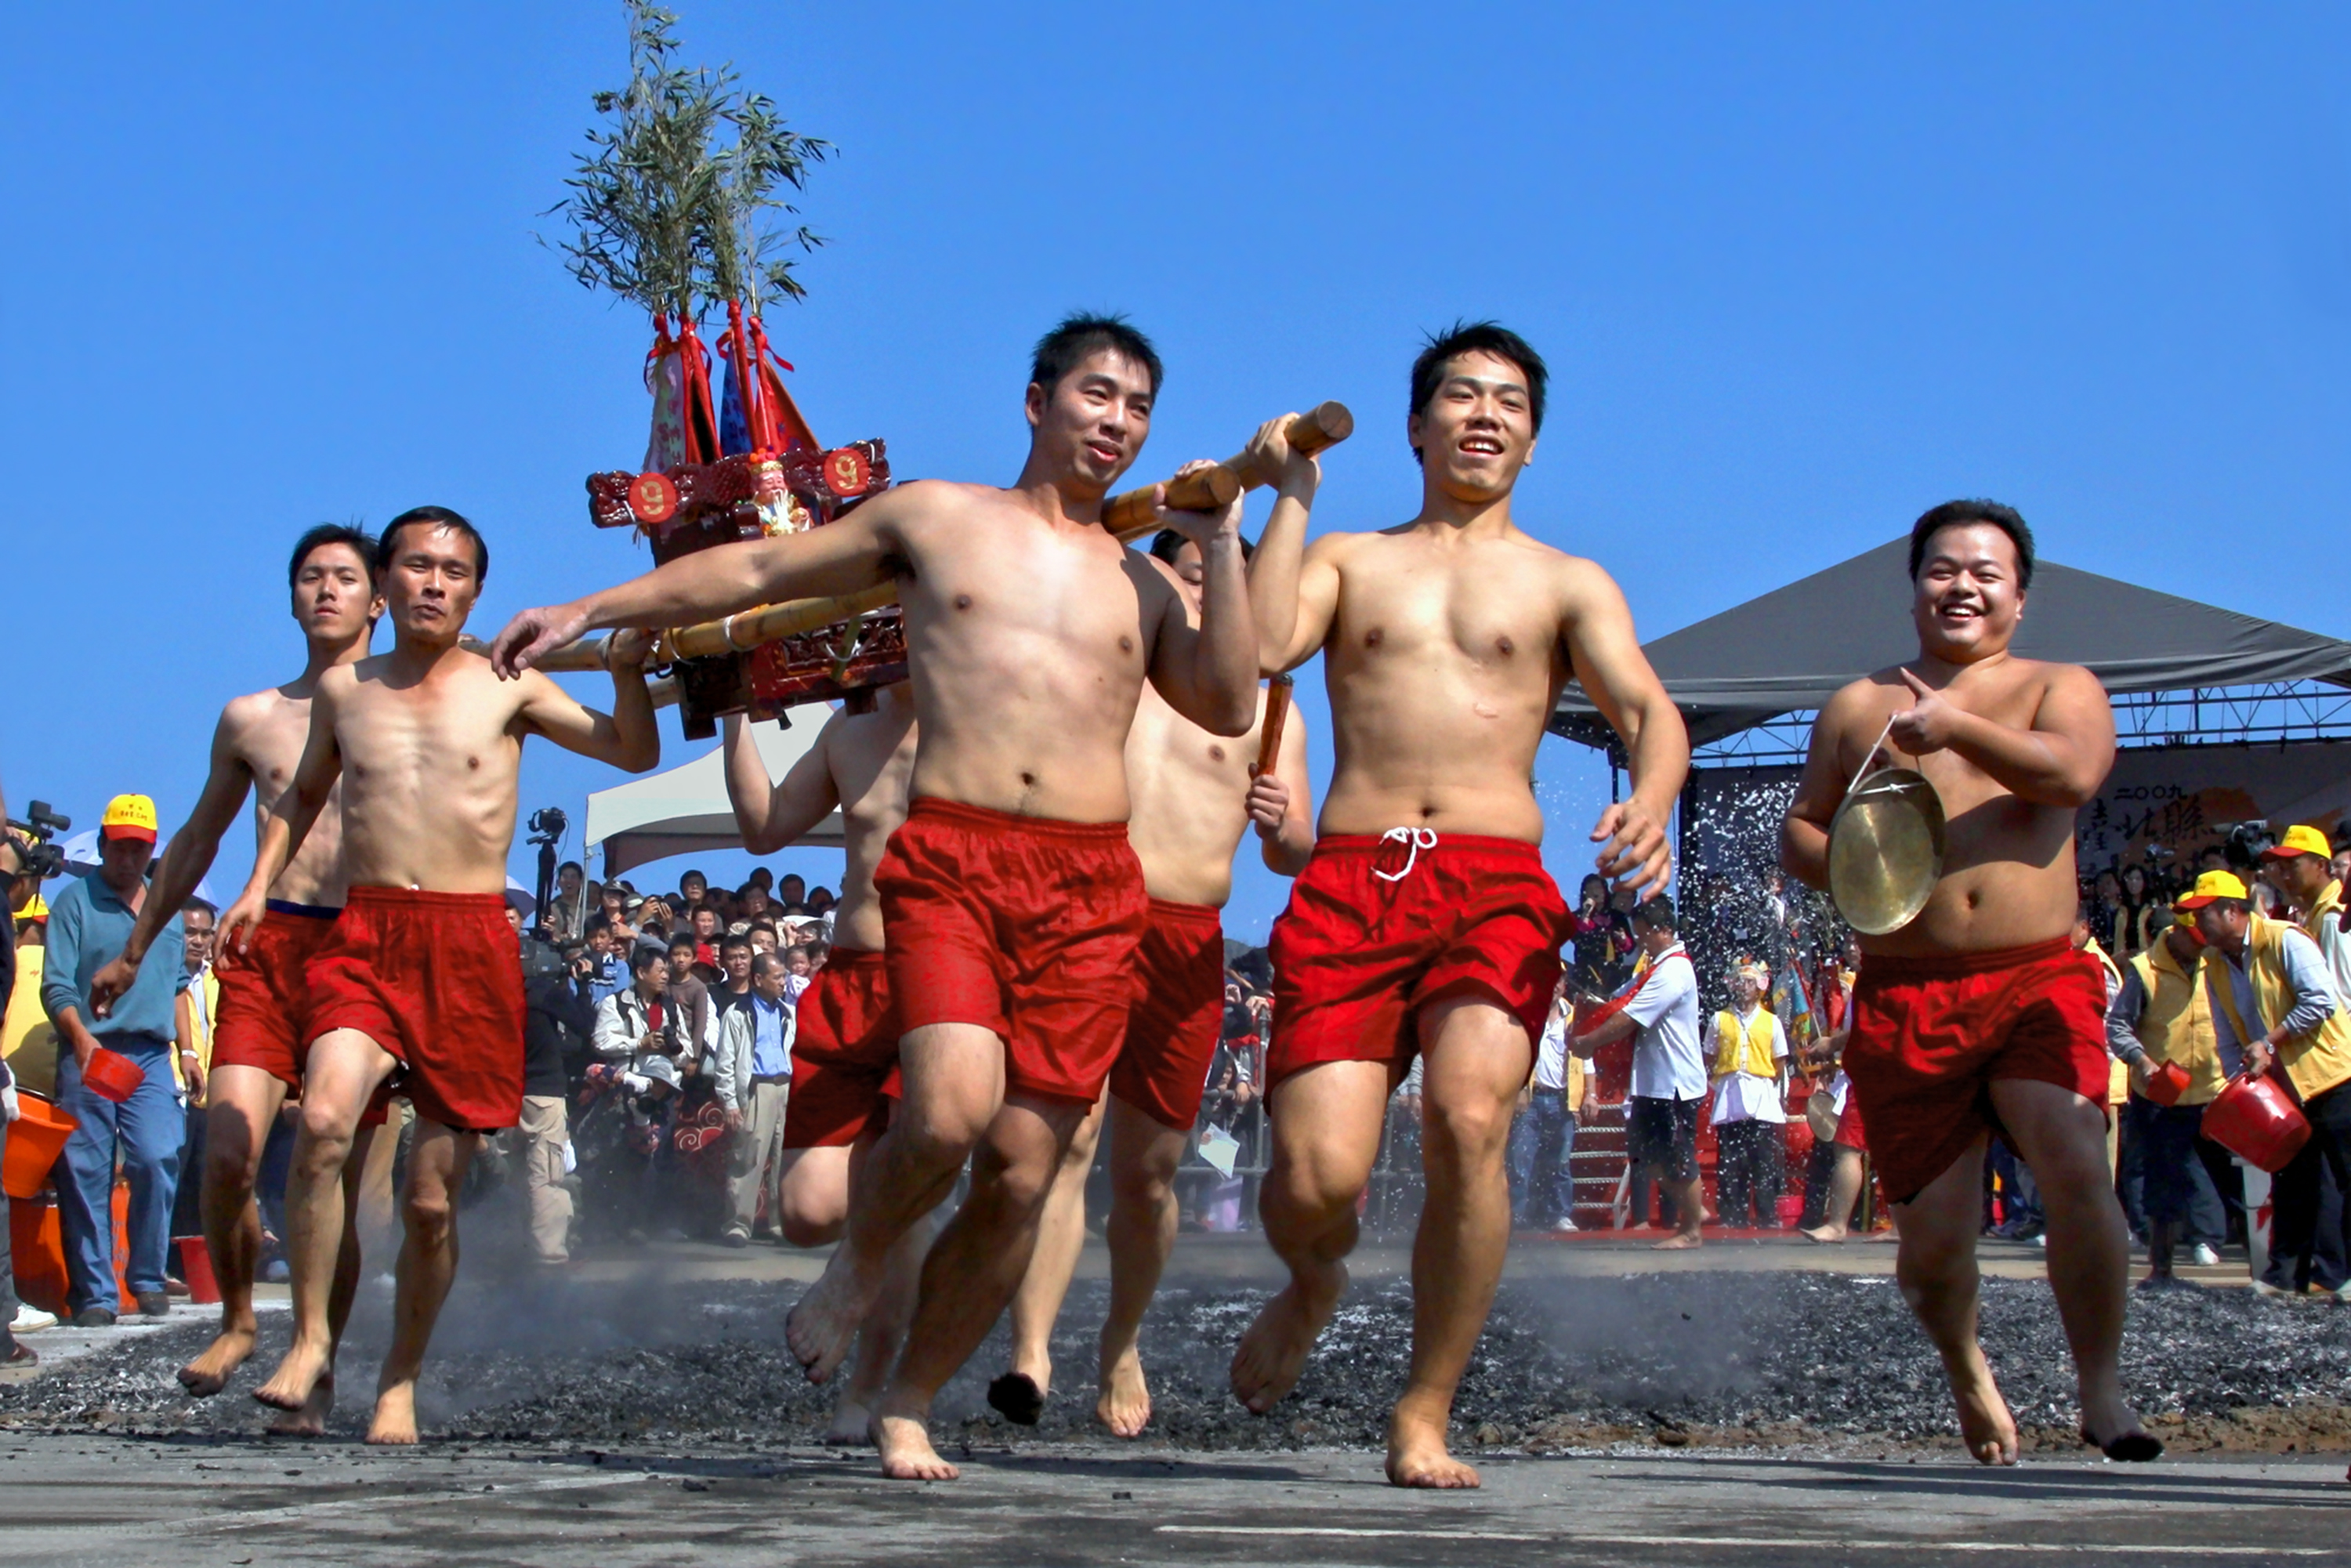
x,y
2166,1082
2257,1120
36,1139
112,1075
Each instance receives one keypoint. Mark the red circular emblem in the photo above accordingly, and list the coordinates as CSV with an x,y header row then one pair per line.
x,y
652,497
846,471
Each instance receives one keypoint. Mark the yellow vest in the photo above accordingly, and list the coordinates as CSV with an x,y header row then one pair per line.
x,y
2177,1025
27,1040
2117,1074
2329,901
2313,1062
1747,1048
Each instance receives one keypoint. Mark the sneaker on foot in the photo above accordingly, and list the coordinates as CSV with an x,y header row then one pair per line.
x,y
93,1317
2267,1291
31,1317
153,1303
734,1237
2205,1257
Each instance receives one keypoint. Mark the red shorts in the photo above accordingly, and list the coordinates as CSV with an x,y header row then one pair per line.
x,y
844,1053
1930,1036
1849,1129
264,998
1023,926
1178,1015
434,978
1356,954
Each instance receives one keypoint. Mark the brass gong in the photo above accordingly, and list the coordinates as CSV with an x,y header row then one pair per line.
x,y
1885,850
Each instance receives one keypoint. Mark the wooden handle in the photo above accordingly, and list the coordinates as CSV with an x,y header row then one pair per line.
x,y
1129,515
1277,713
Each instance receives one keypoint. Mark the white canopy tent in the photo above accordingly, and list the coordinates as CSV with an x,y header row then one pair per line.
x,y
685,809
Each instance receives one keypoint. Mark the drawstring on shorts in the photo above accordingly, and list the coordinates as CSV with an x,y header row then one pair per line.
x,y
1414,840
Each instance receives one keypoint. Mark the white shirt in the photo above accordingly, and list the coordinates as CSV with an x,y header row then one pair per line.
x,y
1668,1055
1742,1096
1551,1051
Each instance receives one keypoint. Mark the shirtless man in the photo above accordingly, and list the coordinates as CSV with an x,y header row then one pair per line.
x,y
1425,920
1193,796
1979,1013
846,1052
418,988
1012,900
258,1046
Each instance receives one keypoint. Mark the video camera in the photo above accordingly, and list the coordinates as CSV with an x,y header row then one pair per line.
x,y
2242,843
547,825
37,848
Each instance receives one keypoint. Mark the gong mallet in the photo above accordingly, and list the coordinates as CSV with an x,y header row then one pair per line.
x,y
1131,514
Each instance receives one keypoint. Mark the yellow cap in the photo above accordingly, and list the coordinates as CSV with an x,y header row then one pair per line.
x,y
129,817
2214,884
2301,840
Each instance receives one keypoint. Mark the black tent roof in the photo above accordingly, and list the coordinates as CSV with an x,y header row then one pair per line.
x,y
1793,648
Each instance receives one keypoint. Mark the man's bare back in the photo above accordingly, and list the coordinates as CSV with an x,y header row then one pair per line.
x,y
862,765
2008,868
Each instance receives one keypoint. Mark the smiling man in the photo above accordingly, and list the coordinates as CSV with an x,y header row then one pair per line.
x,y
418,987
1980,1016
1425,922
1013,903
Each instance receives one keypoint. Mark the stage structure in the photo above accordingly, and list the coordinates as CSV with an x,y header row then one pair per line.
x,y
2223,717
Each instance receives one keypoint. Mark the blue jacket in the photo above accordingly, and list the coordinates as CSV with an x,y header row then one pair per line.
x,y
87,926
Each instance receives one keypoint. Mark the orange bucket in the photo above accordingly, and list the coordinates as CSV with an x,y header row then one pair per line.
x,y
196,1268
34,1141
112,1075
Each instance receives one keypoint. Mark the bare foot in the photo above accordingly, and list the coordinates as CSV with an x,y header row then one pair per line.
x,y
1679,1241
209,1373
310,1421
290,1386
852,1422
1827,1234
1417,1455
1985,1424
906,1452
2112,1427
822,1327
395,1415
1272,1354
1125,1406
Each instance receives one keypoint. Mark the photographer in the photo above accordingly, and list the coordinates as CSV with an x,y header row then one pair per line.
x,y
558,1022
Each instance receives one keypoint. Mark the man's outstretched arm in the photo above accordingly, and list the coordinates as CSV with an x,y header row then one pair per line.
x,y
184,863
628,737
771,815
839,558
1616,674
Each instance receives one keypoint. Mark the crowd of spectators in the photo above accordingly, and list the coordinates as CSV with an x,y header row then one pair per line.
x,y
661,1025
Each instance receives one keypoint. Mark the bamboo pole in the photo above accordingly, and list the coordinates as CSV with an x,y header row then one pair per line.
x,y
1129,515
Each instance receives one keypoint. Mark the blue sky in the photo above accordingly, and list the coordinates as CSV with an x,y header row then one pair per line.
x,y
1801,272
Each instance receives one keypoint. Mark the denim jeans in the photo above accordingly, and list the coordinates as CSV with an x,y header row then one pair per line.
x,y
1541,1143
144,1132
2307,1243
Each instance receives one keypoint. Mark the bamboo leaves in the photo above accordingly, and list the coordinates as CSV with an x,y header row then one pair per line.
x,y
674,204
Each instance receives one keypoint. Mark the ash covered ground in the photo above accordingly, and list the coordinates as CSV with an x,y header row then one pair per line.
x,y
1751,1360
